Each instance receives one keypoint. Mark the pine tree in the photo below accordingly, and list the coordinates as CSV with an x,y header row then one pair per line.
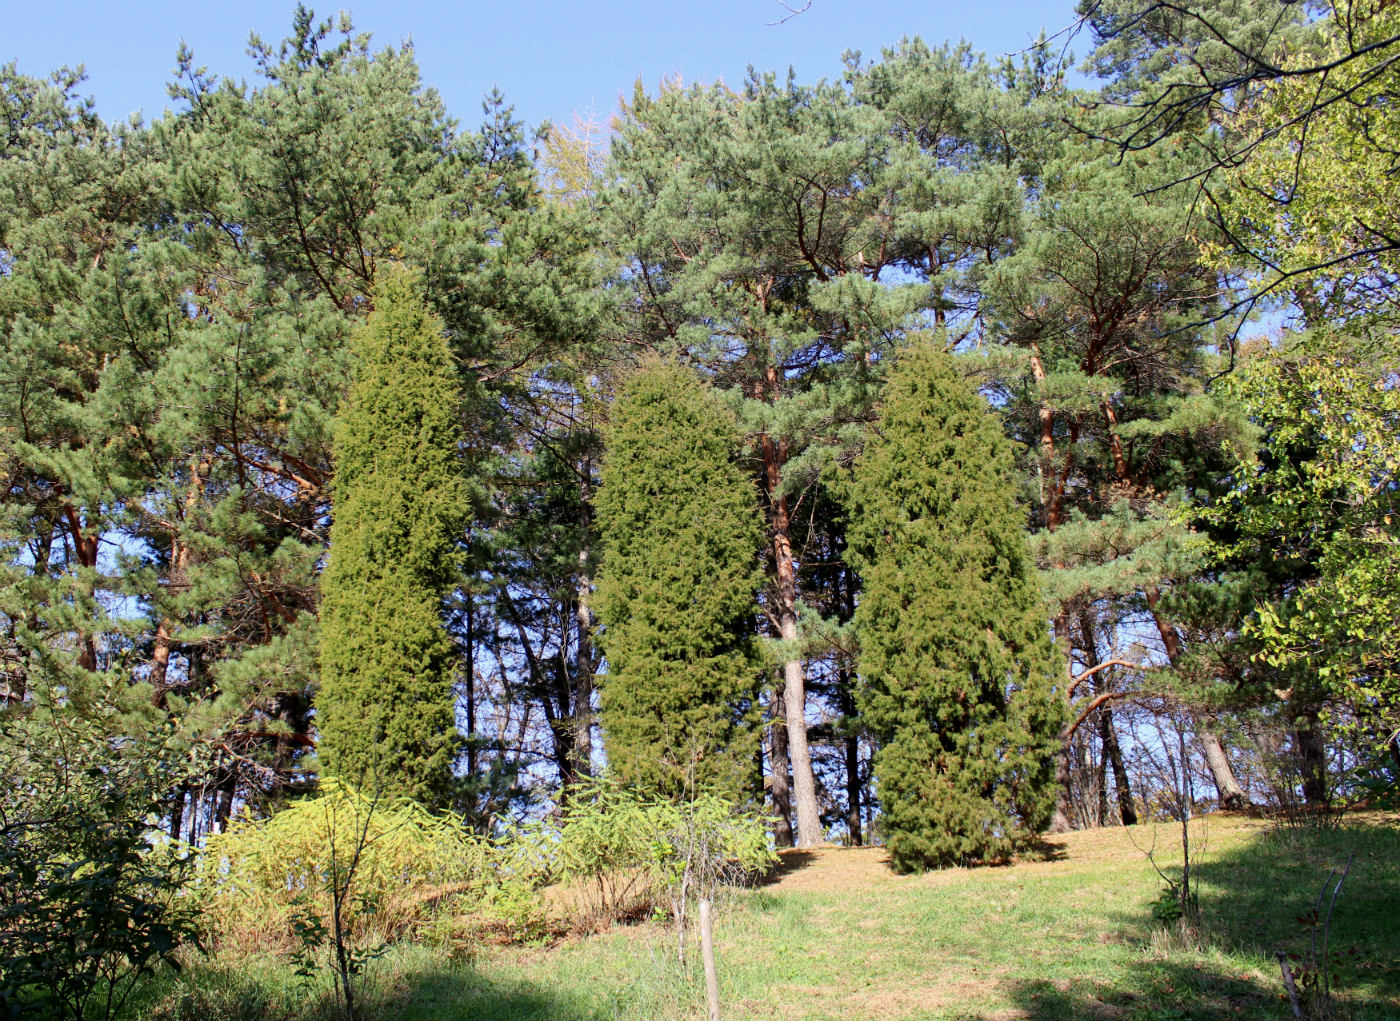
x,y
681,535
385,709
956,663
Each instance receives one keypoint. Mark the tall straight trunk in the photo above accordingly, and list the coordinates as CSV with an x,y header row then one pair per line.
x,y
1114,755
1052,493
85,549
853,798
778,764
177,810
223,806
1063,819
471,686
1051,497
846,687
804,783
852,756
1312,757
583,621
1101,783
196,801
1228,790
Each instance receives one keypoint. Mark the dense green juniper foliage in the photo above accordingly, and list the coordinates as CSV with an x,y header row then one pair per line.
x,y
681,533
385,710
957,667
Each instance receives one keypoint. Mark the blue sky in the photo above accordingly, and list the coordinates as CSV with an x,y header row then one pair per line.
x,y
550,57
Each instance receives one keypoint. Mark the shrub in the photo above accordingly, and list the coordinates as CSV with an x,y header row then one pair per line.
x,y
609,853
618,853
259,877
87,903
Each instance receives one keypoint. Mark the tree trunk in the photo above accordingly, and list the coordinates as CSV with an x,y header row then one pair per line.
x,y
1312,757
852,749
1063,819
583,627
196,800
1114,754
853,788
804,782
471,686
1231,794
845,685
809,827
85,549
175,583
1101,778
778,761
223,806
1228,790
583,671
177,810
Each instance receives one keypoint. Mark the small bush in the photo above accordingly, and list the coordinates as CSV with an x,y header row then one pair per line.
x,y
620,854
87,903
259,877
608,854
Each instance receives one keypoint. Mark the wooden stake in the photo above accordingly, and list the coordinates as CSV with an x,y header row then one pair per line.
x,y
707,954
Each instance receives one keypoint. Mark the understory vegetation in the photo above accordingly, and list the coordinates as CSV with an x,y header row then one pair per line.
x,y
1068,933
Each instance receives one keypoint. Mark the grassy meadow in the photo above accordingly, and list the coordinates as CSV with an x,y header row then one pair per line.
x,y
834,933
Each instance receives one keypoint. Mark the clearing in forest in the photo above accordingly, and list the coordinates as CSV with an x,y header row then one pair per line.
x,y
835,933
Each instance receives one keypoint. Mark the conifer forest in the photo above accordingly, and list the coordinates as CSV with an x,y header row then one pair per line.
x,y
657,566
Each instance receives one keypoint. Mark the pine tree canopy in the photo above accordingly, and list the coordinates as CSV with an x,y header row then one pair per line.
x,y
956,662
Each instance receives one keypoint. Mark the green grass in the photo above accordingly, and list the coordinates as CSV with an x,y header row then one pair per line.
x,y
839,936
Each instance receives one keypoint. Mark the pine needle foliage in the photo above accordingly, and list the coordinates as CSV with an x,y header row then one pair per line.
x,y
956,662
385,709
680,576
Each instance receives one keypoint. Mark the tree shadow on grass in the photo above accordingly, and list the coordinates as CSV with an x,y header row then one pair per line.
x,y
1254,900
458,992
1260,899
255,989
1045,848
790,860
1165,991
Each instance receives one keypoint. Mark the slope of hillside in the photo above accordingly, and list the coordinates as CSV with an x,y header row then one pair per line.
x,y
836,934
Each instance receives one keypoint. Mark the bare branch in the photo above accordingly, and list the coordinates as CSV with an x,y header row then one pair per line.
x,y
792,12
1076,681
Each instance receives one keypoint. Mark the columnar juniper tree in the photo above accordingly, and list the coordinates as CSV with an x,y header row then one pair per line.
x,y
385,710
956,663
681,534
